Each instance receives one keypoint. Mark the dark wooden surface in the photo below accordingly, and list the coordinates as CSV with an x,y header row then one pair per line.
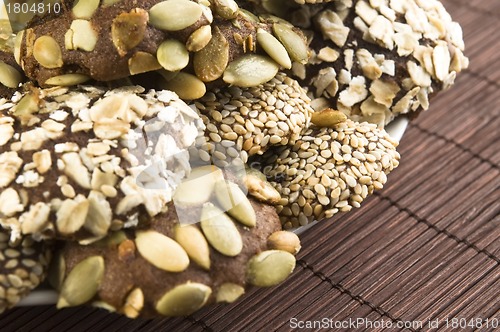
x,y
426,247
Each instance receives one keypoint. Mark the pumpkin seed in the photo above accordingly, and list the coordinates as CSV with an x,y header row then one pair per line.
x,y
184,299
227,9
270,267
260,188
328,118
294,43
128,30
250,70
248,16
195,244
134,303
81,36
186,86
107,3
233,200
174,15
274,48
199,38
82,282
211,61
161,251
172,55
198,186
84,8
9,76
142,62
47,52
220,231
229,292
284,240
67,79
103,305
26,107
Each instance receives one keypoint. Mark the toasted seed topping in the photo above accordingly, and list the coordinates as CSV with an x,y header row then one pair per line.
x,y
211,61
270,267
235,202
284,240
250,70
82,282
84,9
184,299
186,86
134,303
328,118
197,188
258,187
174,15
229,292
195,244
81,36
220,231
161,251
274,48
142,62
329,170
128,30
47,52
199,39
9,76
292,41
67,80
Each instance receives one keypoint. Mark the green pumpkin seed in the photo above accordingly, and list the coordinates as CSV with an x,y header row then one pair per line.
x,y
174,15
184,299
172,55
161,251
84,8
211,61
233,200
198,186
227,9
82,282
47,52
220,231
229,292
270,267
250,70
284,240
199,38
67,79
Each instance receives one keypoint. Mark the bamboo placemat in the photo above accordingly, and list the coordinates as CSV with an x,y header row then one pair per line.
x,y
425,248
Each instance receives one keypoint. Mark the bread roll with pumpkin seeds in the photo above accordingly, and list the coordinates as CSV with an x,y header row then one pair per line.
x,y
331,168
172,268
191,42
23,266
77,163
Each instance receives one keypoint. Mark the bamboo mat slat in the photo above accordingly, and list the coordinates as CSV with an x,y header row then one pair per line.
x,y
426,247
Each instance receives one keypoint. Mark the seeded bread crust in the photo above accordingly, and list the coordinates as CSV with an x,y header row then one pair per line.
x,y
80,44
77,163
127,270
24,266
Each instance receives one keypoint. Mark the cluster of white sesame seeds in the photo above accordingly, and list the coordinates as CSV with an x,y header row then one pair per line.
x,y
242,122
329,170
